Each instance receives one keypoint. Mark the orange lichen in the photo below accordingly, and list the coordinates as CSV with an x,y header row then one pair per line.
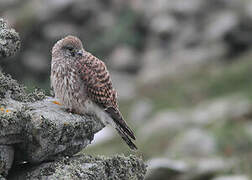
x,y
56,102
7,110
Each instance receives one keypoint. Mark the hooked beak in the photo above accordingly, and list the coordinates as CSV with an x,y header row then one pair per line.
x,y
80,53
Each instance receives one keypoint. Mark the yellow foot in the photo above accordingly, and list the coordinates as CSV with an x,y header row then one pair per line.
x,y
56,102
4,110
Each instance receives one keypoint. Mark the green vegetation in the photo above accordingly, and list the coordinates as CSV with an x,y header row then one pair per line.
x,y
212,81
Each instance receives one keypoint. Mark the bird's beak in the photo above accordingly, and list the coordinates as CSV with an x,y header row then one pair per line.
x,y
80,53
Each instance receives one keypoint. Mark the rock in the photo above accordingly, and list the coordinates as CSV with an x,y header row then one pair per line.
x,y
59,30
6,159
164,24
163,121
124,58
35,61
193,143
208,167
161,168
187,7
232,177
86,168
230,107
124,84
141,111
47,130
220,24
9,40
11,89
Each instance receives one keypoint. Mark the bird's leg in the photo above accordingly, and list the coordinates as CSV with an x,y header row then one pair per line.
x,y
56,102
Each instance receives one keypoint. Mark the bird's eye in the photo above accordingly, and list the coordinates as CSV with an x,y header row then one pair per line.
x,y
70,50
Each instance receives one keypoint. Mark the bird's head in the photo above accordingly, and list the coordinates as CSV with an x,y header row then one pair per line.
x,y
69,47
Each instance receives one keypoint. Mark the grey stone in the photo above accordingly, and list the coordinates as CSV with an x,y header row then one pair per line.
x,y
9,40
187,169
162,168
87,168
193,143
124,58
59,30
164,24
45,130
6,159
35,61
163,121
230,107
187,7
141,111
232,177
54,132
206,168
220,24
124,84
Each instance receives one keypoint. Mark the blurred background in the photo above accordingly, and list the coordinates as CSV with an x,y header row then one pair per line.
x,y
182,70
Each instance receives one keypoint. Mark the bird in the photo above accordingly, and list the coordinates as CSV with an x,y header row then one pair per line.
x,y
82,83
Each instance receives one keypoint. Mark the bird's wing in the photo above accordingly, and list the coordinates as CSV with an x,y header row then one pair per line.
x,y
99,89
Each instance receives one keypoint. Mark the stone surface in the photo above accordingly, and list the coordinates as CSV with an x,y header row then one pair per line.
x,y
206,168
193,143
232,177
123,58
54,132
184,169
9,40
11,89
161,168
45,130
141,111
6,159
87,168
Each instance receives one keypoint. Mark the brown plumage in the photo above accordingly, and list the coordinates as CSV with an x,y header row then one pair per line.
x,y
82,84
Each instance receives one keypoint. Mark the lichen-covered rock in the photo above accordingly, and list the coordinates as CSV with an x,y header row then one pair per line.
x,y
10,88
53,132
87,168
9,40
6,159
44,130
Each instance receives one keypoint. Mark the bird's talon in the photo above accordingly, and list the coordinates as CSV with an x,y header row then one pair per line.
x,y
56,102
2,109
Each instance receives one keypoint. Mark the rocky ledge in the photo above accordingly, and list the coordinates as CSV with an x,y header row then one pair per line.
x,y
39,139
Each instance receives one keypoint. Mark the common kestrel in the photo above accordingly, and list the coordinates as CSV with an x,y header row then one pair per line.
x,y
82,83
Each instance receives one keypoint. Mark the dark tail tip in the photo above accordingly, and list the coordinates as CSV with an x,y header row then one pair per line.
x,y
126,138
117,117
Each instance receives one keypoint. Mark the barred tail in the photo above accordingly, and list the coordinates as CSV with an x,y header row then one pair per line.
x,y
126,138
121,127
